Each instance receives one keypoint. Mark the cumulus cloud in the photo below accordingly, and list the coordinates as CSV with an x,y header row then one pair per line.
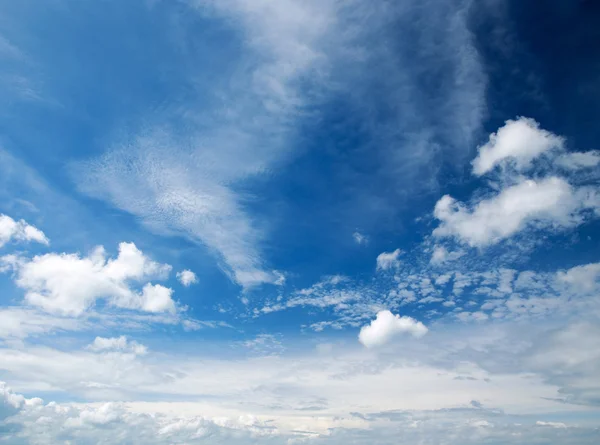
x,y
387,326
11,230
70,284
118,344
388,260
520,141
548,202
187,277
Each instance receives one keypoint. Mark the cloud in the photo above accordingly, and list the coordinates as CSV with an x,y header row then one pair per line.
x,y
19,322
187,277
441,255
360,239
69,284
519,141
574,161
119,344
264,344
551,424
550,202
191,183
388,260
581,278
386,326
11,230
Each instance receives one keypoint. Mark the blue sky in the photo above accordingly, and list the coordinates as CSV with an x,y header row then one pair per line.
x,y
287,222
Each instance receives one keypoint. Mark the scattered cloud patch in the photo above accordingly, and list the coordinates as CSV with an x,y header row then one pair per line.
x,y
117,344
441,255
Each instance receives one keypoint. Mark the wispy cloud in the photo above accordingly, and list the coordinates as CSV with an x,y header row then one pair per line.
x,y
192,184
190,179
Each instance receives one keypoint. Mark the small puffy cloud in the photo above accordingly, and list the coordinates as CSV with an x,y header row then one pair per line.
x,y
187,277
519,140
69,284
548,202
387,326
117,344
388,260
19,231
359,238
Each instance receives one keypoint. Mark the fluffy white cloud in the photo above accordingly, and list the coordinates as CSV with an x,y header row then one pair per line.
x,y
386,326
548,202
519,140
119,344
388,260
187,277
69,284
19,231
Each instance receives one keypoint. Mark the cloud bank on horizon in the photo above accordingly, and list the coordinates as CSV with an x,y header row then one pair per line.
x,y
288,222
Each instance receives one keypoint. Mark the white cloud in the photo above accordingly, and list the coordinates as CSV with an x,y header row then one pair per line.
x,y
69,284
264,344
119,344
441,255
359,238
187,277
19,231
186,184
386,326
18,322
519,140
574,161
472,316
582,278
388,260
551,424
550,202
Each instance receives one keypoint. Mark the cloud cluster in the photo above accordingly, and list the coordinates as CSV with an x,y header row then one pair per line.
x,y
547,202
70,284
